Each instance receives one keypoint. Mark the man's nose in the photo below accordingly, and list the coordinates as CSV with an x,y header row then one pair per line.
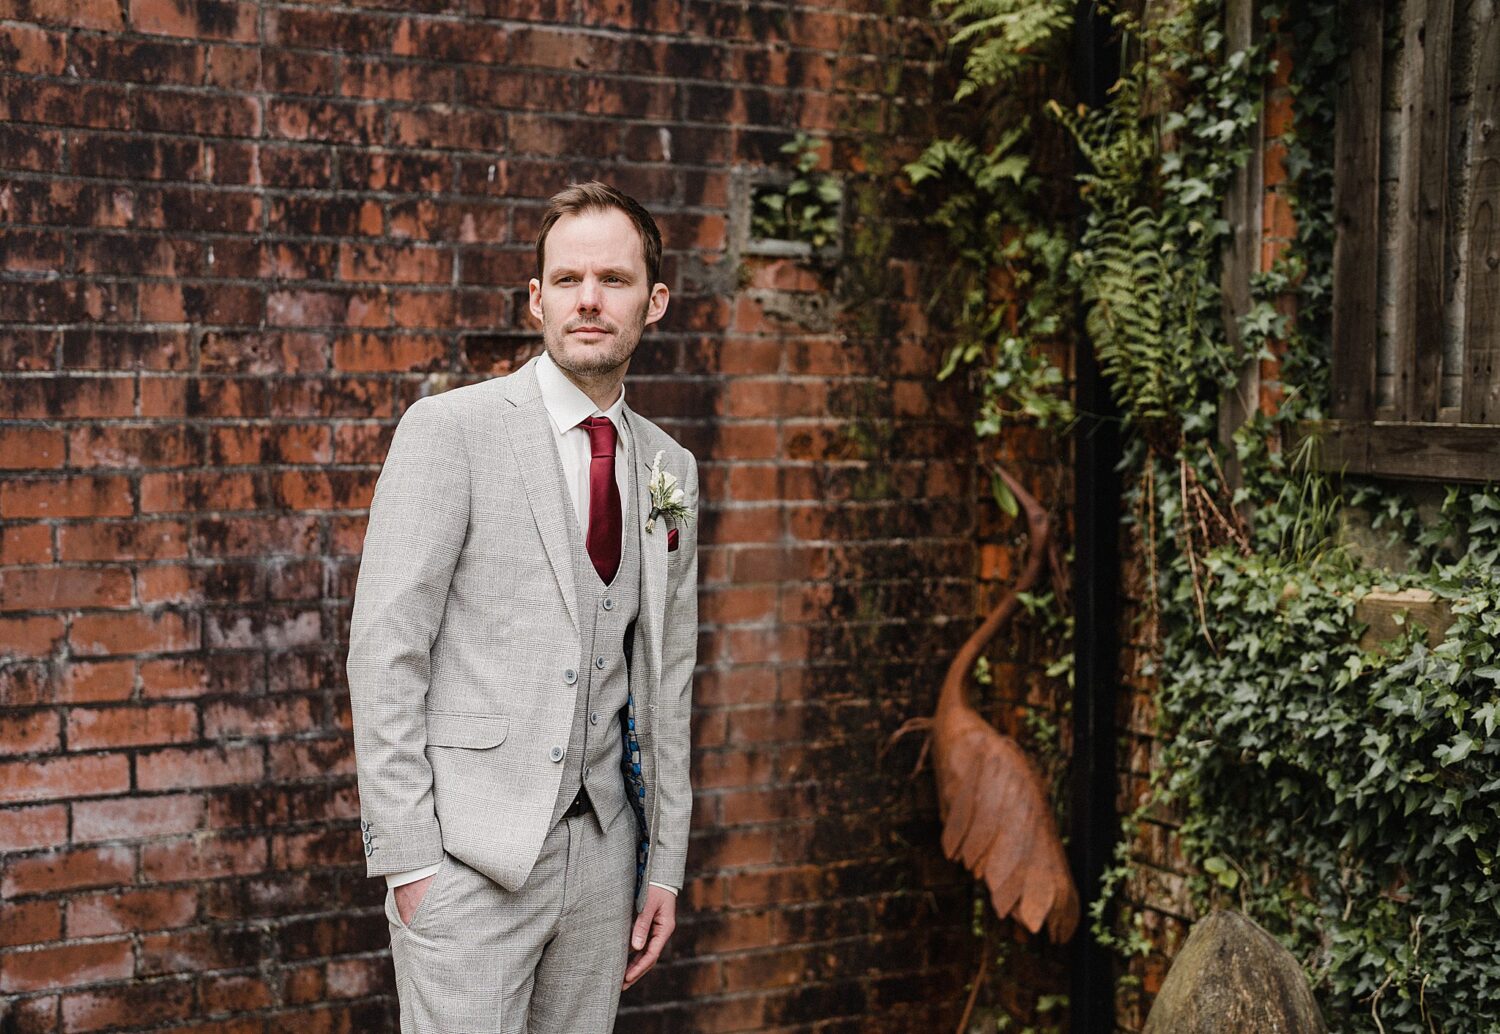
x,y
588,296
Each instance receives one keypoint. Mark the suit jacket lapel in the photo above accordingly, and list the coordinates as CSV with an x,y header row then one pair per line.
x,y
653,544
535,450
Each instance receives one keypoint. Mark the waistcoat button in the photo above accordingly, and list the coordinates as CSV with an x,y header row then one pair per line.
x,y
599,662
608,604
594,718
556,754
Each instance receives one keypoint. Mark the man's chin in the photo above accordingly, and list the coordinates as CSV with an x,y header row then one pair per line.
x,y
588,361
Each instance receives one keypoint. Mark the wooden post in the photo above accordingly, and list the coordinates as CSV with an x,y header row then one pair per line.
x,y
1481,394
1356,201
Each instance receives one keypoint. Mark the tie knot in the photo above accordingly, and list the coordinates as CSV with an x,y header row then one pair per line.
x,y
601,436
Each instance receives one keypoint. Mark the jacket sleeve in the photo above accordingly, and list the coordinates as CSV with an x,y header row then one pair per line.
x,y
418,521
674,703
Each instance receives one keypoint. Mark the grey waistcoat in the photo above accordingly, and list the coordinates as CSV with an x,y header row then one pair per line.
x,y
606,616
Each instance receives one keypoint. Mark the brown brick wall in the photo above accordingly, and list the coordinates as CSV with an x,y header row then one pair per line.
x,y
238,240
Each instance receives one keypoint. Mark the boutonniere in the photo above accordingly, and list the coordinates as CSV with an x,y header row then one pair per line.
x,y
666,495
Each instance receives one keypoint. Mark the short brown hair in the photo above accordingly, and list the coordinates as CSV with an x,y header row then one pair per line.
x,y
582,197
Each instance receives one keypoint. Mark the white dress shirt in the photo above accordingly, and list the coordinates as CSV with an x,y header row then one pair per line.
x,y
568,406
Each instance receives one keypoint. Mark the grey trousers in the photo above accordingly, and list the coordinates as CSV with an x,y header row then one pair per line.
x,y
545,959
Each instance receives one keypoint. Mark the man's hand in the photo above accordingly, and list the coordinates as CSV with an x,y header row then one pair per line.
x,y
409,896
652,929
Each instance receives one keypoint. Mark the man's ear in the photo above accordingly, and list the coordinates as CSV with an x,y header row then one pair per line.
x,y
656,305
534,300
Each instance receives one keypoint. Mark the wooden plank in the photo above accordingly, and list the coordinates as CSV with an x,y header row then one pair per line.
x,y
1425,384
1242,205
1481,396
1388,613
1403,228
1445,452
1356,200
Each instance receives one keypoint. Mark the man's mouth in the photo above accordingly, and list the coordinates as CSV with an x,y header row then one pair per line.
x,y
590,330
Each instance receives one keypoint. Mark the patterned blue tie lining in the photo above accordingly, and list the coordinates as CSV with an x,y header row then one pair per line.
x,y
635,786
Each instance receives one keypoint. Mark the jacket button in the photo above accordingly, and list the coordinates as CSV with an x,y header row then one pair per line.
x,y
599,662
570,676
609,604
594,718
556,754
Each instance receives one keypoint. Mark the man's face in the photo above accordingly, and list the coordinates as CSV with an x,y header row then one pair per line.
x,y
593,299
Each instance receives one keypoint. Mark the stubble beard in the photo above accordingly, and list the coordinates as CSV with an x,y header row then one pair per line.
x,y
593,362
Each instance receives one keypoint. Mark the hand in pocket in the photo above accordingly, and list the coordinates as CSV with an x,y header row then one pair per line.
x,y
410,895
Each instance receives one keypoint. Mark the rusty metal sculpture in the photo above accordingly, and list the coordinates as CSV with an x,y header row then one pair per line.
x,y
992,801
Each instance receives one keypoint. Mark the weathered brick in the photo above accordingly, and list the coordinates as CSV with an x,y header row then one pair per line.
x,y
60,778
64,588
66,965
69,869
136,817
80,496
132,632
95,915
29,732
26,828
90,728
154,1002
202,858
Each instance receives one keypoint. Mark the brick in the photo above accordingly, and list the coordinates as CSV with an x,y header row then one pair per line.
x,y
178,768
31,49
195,19
122,540
132,632
78,398
64,777
91,728
26,544
98,348
234,993
264,353
33,732
66,965
66,497
64,588
202,858
29,636
29,827
131,911
96,681
196,492
407,353
31,922
137,817
69,869
148,1003
133,60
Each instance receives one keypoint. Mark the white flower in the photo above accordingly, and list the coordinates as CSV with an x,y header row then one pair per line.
x,y
667,498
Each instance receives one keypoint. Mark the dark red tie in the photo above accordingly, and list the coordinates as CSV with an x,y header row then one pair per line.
x,y
604,498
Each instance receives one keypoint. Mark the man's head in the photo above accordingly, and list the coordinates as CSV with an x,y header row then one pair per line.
x,y
598,256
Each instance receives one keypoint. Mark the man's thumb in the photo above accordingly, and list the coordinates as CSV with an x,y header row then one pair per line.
x,y
638,934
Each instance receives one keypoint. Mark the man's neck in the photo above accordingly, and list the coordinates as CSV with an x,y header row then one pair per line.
x,y
602,389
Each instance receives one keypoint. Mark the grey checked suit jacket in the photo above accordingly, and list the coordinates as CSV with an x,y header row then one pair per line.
x,y
464,630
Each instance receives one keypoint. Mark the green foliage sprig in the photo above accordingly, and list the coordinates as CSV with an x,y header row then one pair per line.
x,y
807,208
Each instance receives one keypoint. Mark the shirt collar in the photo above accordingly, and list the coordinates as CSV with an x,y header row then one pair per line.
x,y
566,402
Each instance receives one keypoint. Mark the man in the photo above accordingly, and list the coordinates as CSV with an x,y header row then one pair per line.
x,y
521,653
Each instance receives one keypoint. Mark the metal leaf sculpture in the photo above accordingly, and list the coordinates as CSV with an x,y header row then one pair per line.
x,y
991,798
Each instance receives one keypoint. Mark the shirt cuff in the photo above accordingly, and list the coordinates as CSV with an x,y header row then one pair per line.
x,y
396,879
663,886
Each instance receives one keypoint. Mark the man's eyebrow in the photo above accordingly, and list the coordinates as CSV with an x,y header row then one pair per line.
x,y
607,271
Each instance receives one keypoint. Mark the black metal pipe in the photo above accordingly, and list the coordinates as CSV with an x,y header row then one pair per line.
x,y
1093,824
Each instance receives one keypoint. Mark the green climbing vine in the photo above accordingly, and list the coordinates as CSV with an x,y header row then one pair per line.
x,y
1344,796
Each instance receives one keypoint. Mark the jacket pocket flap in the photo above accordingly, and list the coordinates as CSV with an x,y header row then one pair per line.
x,y
453,729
